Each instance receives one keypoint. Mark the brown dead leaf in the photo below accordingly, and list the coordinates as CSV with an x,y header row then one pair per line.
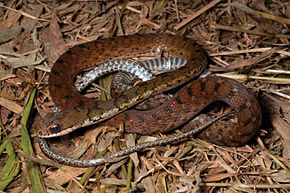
x,y
106,141
24,43
130,143
286,150
281,126
147,181
249,62
11,105
8,92
35,10
281,176
7,49
11,21
9,34
287,10
189,184
88,139
259,5
51,38
114,181
226,156
115,166
218,177
22,61
64,175
279,110
237,34
5,114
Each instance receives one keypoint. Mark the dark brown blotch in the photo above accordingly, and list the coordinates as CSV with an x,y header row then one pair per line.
x,y
126,116
247,122
83,46
231,94
141,118
178,100
189,91
68,97
81,104
56,73
60,61
242,107
58,85
216,87
155,116
168,110
202,86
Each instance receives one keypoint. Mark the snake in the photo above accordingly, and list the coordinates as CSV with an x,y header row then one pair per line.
x,y
77,111
131,69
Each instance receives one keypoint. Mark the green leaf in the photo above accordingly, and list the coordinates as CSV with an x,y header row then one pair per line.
x,y
34,176
11,168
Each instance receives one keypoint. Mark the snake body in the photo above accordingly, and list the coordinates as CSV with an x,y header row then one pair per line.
x,y
117,155
141,70
78,111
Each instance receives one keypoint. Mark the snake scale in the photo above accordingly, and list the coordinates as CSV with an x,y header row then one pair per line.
x,y
78,111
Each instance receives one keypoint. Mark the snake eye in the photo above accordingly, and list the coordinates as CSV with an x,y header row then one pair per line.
x,y
55,128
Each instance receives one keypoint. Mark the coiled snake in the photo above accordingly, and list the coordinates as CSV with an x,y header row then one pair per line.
x,y
78,111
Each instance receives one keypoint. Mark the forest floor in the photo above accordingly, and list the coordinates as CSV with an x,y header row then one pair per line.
x,y
245,40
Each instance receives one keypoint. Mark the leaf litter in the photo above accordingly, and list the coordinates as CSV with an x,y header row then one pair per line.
x,y
246,41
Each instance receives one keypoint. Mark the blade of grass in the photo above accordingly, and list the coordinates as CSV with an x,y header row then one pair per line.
x,y
3,146
130,167
34,176
11,168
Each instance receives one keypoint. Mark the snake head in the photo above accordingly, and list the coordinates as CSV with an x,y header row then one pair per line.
x,y
60,123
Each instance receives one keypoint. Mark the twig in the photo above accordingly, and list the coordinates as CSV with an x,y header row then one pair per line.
x,y
240,52
249,51
196,14
246,77
229,28
24,14
260,186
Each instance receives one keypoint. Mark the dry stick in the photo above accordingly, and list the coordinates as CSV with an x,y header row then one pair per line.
x,y
19,55
229,28
249,51
240,52
247,77
133,9
176,10
23,13
283,52
196,14
150,23
275,71
257,186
